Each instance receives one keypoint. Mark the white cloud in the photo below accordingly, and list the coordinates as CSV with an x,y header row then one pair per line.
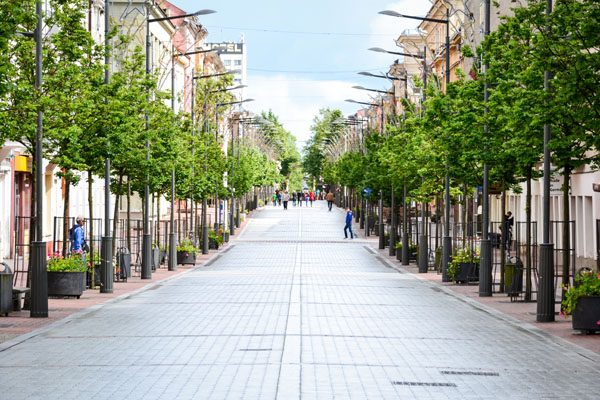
x,y
296,100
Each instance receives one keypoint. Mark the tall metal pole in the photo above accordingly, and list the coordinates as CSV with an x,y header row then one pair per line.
x,y
381,230
39,274
204,201
392,249
237,209
423,245
446,241
546,296
231,213
405,252
106,255
172,266
146,239
485,270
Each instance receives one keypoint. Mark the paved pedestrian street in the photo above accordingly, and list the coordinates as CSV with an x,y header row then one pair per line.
x,y
292,310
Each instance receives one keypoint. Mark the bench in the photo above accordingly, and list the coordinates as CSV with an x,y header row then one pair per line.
x,y
17,296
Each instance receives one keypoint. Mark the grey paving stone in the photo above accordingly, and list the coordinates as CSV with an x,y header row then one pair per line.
x,y
292,311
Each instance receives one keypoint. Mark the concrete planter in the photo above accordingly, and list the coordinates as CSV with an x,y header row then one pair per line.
x,y
586,314
467,272
66,283
184,257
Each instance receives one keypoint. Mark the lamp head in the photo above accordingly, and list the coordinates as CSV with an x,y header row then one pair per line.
x,y
378,50
391,13
358,87
204,12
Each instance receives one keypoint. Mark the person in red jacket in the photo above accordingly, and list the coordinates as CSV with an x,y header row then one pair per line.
x,y
312,197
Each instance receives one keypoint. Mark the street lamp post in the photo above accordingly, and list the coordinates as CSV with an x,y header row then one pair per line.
x,y
447,240
172,265
204,200
485,271
232,208
39,274
146,239
546,295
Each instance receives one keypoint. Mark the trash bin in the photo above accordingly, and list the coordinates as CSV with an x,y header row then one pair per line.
x,y
124,262
6,278
513,276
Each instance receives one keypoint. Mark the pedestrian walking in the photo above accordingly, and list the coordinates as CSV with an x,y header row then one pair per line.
x,y
348,224
300,198
329,199
285,197
312,197
274,200
306,197
279,198
509,222
294,198
77,236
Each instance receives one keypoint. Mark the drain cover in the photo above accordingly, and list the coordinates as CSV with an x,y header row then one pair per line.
x,y
443,384
476,373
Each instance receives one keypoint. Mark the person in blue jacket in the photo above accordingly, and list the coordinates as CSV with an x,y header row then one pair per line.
x,y
348,224
77,236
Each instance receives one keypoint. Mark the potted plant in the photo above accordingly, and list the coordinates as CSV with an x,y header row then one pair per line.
x,y
214,240
386,239
398,251
225,235
464,266
413,250
582,302
66,275
186,253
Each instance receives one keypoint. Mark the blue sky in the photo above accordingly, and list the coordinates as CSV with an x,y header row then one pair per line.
x,y
303,56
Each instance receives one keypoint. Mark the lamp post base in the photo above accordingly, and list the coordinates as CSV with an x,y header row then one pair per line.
x,y
423,253
172,252
446,252
106,268
546,296
405,249
485,269
39,281
204,239
146,257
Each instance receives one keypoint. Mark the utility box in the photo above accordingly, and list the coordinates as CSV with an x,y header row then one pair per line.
x,y
6,279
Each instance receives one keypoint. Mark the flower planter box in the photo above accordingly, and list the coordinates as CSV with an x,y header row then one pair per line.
x,y
212,244
586,314
226,237
66,283
467,272
183,257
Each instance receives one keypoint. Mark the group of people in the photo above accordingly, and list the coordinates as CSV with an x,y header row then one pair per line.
x,y
297,198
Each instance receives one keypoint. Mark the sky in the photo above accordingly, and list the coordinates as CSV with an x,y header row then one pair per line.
x,y
305,56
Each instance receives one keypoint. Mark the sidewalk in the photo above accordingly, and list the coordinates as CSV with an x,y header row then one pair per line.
x,y
524,312
19,323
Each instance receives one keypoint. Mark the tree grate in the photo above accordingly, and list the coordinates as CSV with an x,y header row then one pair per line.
x,y
475,373
437,384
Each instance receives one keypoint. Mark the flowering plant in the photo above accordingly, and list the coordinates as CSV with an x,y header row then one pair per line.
x,y
186,245
73,263
462,256
587,284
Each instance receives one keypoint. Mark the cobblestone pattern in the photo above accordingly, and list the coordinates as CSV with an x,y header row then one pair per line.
x,y
272,319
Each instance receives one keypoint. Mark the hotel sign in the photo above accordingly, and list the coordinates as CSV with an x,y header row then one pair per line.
x,y
225,48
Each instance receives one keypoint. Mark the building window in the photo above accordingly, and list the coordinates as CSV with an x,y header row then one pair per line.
x,y
238,62
227,62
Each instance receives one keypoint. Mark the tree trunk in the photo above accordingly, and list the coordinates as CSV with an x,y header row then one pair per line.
x,y
504,231
566,231
528,238
65,249
158,219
